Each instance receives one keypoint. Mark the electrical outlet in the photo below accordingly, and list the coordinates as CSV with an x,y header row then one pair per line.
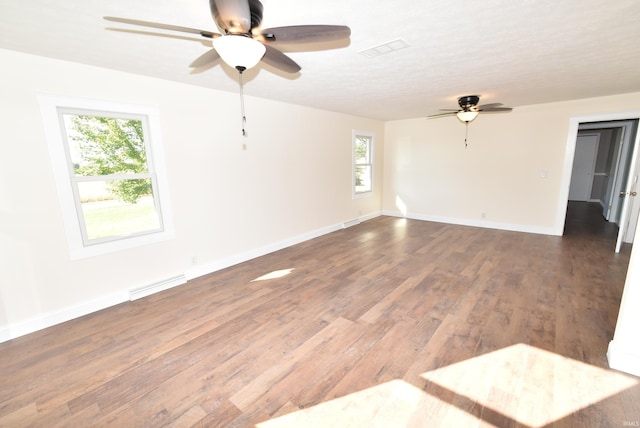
x,y
194,260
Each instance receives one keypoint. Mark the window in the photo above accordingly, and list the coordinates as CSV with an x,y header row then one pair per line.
x,y
362,163
108,166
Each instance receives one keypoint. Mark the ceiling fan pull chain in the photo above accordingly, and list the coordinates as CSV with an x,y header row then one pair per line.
x,y
466,133
244,118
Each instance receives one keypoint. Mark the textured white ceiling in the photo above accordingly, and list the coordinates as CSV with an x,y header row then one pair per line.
x,y
515,52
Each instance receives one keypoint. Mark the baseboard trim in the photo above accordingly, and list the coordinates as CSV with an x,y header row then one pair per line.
x,y
620,359
208,268
474,223
69,313
50,319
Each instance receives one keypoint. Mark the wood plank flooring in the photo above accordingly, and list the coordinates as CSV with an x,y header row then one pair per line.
x,y
392,322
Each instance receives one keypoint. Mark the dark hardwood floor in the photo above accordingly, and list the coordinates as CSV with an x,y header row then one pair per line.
x,y
586,219
392,322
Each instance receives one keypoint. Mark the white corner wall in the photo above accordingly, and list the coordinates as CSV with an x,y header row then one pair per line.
x,y
509,177
232,197
624,350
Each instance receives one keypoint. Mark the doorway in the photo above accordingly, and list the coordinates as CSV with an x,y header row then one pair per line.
x,y
612,164
611,178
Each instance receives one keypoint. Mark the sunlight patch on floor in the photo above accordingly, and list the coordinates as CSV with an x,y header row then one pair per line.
x,y
519,384
274,275
530,385
392,404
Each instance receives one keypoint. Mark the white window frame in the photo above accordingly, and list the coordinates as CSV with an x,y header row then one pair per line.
x,y
354,135
51,107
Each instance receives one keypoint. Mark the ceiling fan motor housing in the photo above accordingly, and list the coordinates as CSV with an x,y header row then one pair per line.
x,y
468,101
256,13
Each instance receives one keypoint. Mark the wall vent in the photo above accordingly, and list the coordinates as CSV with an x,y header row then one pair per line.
x,y
156,287
350,223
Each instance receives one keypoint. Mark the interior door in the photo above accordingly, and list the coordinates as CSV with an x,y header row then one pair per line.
x,y
612,203
629,194
634,211
621,176
584,162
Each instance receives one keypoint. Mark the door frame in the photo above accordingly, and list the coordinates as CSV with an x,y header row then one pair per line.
x,y
570,148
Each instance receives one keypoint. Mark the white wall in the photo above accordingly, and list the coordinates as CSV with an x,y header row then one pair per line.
x,y
624,350
232,197
499,175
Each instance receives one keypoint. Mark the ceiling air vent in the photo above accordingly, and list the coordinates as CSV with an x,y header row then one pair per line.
x,y
385,48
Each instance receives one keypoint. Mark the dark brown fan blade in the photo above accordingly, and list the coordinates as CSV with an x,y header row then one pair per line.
x,y
280,61
205,59
486,106
155,34
306,33
495,109
232,16
203,33
434,116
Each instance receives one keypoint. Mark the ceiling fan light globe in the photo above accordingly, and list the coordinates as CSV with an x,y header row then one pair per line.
x,y
239,51
467,116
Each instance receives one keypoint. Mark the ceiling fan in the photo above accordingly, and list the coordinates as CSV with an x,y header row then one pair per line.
x,y
469,110
241,43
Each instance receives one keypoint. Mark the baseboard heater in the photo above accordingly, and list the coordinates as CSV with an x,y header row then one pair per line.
x,y
350,223
156,287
